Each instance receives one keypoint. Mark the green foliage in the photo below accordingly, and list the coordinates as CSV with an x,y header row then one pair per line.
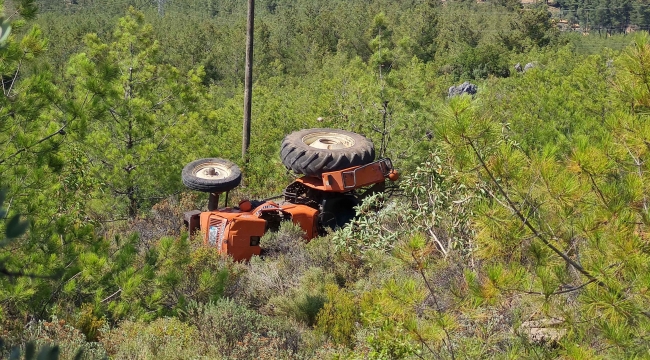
x,y
434,202
533,28
164,338
610,16
31,123
88,323
288,239
389,315
137,105
274,281
13,227
304,302
229,330
523,204
56,339
382,56
423,39
5,30
339,315
634,77
46,352
27,9
362,234
164,280
480,62
561,201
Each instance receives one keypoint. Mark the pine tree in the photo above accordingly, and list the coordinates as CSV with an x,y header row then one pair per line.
x,y
135,107
381,44
570,226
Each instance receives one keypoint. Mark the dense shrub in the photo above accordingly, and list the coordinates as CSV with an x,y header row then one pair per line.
x,y
66,337
480,62
433,201
280,270
304,301
339,315
164,338
229,330
288,240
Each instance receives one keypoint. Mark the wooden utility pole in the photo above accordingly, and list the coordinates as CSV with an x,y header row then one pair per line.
x,y
161,8
248,81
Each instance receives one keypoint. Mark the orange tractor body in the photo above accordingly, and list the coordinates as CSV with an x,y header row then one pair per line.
x,y
315,203
237,233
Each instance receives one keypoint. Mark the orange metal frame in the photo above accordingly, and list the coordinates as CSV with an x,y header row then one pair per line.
x,y
351,178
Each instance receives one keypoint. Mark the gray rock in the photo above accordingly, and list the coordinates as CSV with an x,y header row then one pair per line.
x,y
518,67
529,66
464,88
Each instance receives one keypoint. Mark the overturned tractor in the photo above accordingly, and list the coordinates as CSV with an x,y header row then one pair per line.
x,y
338,169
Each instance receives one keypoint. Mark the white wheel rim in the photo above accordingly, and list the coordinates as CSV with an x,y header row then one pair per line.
x,y
212,171
328,141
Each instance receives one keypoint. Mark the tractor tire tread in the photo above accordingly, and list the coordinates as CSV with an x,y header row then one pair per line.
x,y
306,160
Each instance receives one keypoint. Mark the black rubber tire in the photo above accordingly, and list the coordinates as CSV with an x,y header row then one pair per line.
x,y
228,175
298,155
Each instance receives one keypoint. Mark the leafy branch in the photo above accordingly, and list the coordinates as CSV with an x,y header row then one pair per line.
x,y
538,234
14,228
60,131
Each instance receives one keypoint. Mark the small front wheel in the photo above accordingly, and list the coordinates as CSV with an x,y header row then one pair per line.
x,y
211,175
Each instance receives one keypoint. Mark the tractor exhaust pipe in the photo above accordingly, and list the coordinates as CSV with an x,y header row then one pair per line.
x,y
213,201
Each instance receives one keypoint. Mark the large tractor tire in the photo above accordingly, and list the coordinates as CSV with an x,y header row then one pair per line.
x,y
211,175
315,151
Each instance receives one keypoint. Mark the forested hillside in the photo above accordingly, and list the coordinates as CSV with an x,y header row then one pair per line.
x,y
519,227
611,16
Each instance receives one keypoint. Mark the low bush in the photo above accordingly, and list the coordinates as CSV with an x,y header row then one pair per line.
x,y
279,271
164,338
338,317
289,239
229,330
55,333
303,302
